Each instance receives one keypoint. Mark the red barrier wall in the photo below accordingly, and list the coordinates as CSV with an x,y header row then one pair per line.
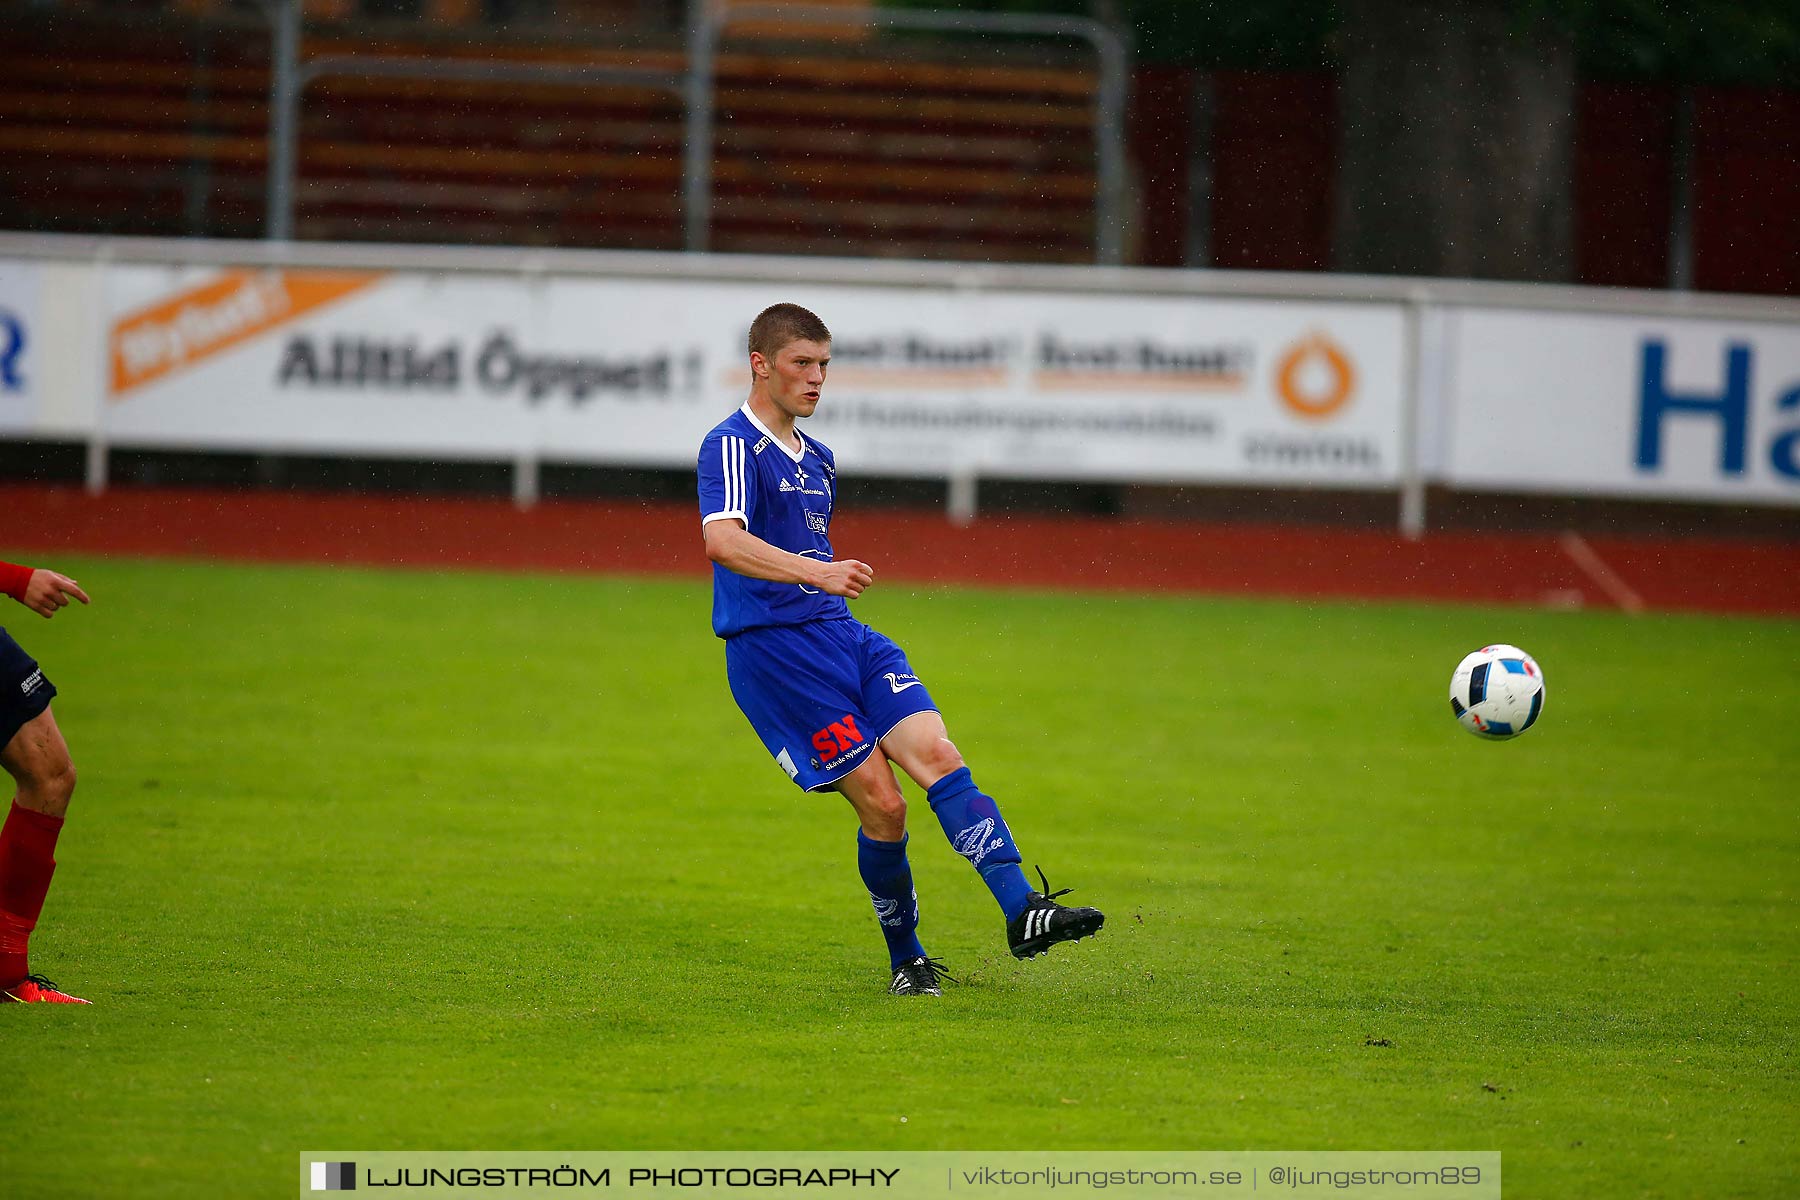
x,y
1110,554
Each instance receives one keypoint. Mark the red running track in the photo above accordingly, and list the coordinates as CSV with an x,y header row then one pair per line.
x,y
1028,551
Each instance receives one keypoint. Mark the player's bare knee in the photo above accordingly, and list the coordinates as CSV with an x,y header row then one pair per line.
x,y
884,815
62,782
52,785
942,757
890,807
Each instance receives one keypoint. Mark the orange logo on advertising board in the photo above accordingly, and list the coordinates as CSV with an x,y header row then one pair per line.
x,y
202,321
1315,378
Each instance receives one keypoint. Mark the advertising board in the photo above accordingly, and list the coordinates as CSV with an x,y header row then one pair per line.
x,y
1674,408
923,382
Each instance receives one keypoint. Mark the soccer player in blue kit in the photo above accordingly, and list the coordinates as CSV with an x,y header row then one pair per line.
x,y
834,701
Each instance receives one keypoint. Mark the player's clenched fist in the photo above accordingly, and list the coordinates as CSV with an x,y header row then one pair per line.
x,y
48,591
846,577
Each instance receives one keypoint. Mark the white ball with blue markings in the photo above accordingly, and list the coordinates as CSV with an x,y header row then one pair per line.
x,y
1497,692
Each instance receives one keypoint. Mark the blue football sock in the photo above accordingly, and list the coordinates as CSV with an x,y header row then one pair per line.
x,y
888,876
973,823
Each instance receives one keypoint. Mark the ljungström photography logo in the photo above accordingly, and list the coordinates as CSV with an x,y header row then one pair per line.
x,y
333,1177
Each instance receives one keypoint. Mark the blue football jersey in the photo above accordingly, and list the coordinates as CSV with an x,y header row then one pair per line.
x,y
782,496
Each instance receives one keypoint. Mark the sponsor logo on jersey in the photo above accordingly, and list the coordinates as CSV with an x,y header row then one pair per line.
x,y
32,682
785,486
758,448
894,679
817,522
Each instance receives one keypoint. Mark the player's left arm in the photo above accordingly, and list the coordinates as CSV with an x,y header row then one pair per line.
x,y
43,592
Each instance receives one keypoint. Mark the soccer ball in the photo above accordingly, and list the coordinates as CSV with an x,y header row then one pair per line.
x,y
1497,692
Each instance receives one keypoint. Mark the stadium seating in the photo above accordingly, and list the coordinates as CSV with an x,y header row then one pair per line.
x,y
119,123
162,131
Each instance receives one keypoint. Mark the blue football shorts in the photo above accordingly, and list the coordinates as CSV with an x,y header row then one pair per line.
x,y
24,692
821,694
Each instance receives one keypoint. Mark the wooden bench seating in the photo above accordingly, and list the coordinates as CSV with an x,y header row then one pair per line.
x,y
836,153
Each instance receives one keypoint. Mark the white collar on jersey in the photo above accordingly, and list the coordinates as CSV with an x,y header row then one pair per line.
x,y
796,455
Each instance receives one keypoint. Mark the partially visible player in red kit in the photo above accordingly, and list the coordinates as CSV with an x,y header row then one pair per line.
x,y
33,752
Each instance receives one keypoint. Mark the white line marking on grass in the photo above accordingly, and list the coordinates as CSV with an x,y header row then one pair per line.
x,y
1604,577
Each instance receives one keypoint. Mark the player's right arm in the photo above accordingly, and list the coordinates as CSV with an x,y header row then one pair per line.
x,y
43,592
738,550
728,486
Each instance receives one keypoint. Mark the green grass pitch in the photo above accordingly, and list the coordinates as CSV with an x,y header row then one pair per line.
x,y
410,860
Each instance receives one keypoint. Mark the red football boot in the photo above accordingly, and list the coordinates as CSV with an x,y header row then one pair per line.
x,y
35,989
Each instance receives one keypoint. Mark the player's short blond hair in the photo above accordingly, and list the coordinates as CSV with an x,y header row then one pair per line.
x,y
779,324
